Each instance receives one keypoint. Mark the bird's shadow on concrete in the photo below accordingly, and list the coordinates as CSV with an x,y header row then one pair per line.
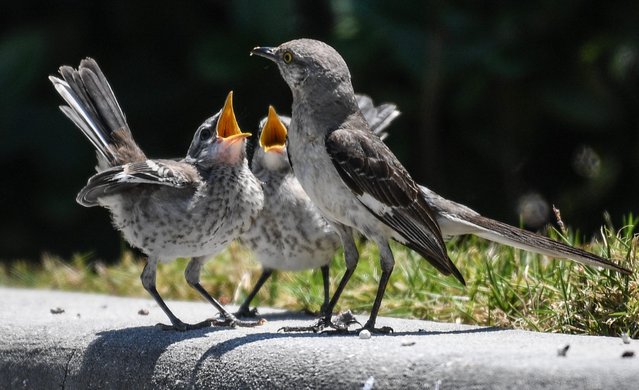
x,y
290,316
140,347
219,349
284,316
229,345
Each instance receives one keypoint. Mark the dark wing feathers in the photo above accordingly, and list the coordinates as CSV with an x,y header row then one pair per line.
x,y
368,167
170,173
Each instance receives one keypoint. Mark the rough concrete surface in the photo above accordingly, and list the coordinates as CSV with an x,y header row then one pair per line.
x,y
101,341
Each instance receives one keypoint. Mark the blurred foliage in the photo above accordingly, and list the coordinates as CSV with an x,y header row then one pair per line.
x,y
502,102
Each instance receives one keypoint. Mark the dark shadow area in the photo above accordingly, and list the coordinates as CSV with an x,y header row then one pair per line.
x,y
219,350
285,315
487,329
229,345
138,347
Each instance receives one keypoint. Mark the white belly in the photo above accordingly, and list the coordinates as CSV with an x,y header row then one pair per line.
x,y
289,233
321,181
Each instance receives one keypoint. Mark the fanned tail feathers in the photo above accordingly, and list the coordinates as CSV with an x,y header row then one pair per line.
x,y
378,117
93,108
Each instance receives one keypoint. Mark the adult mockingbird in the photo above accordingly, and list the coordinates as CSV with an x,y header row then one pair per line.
x,y
290,234
191,207
354,179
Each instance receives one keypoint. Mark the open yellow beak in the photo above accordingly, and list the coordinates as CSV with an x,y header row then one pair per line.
x,y
227,127
273,136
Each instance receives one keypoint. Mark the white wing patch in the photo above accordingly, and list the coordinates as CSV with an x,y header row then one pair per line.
x,y
152,172
374,205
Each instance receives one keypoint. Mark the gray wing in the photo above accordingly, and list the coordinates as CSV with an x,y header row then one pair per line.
x,y
378,117
176,174
383,185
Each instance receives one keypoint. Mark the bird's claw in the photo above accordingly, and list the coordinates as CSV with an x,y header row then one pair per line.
x,y
317,328
340,325
232,322
345,319
374,330
183,327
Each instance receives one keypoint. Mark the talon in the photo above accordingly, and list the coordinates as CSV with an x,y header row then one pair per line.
x,y
177,327
183,327
386,330
233,322
382,330
290,329
344,320
317,328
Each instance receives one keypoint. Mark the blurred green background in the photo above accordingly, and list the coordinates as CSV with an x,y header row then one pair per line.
x,y
508,107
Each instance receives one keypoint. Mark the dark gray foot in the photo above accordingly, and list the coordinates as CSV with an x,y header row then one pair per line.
x,y
233,322
371,328
340,325
182,327
318,327
344,320
246,312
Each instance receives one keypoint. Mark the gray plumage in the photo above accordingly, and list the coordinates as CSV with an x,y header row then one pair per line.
x,y
349,173
290,234
356,182
377,117
191,207
456,219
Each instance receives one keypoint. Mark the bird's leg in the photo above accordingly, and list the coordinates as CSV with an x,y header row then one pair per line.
x,y
244,310
148,281
192,274
351,255
327,295
387,263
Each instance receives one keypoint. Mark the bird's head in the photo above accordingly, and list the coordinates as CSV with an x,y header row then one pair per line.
x,y
308,65
271,153
219,139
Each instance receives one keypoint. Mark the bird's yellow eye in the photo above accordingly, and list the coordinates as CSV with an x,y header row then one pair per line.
x,y
287,57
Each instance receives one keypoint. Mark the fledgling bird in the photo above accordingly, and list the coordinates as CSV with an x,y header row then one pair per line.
x,y
290,234
192,207
355,180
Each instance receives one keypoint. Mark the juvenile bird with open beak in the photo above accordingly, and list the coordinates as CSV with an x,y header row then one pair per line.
x,y
191,207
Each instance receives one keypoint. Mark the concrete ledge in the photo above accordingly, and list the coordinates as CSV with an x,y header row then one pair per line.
x,y
102,342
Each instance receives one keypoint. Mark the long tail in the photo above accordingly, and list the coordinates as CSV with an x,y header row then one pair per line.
x,y
455,219
378,117
93,108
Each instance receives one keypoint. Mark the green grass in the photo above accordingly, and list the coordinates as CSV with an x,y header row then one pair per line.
x,y
505,287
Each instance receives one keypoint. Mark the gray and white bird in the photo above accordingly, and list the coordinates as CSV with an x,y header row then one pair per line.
x,y
290,234
191,207
357,182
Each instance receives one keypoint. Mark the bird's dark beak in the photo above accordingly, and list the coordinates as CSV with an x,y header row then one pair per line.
x,y
227,128
266,52
273,138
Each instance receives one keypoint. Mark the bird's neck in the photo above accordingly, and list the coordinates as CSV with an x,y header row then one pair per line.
x,y
320,112
228,168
